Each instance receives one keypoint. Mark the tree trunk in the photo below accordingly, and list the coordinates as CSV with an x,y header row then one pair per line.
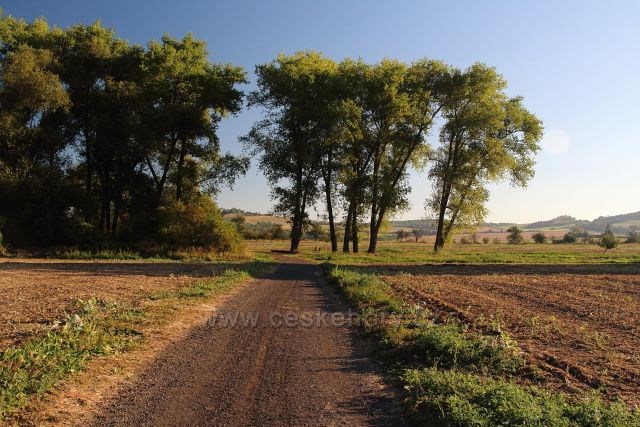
x,y
347,229
440,237
332,225
375,230
354,230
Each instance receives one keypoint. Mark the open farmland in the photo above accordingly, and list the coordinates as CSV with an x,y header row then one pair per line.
x,y
35,293
406,253
580,324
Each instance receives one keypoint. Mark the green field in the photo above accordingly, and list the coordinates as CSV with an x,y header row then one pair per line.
x,y
422,253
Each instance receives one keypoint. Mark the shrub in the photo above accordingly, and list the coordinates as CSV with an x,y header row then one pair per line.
x,y
608,241
570,237
496,241
198,224
485,240
515,235
539,237
634,237
465,241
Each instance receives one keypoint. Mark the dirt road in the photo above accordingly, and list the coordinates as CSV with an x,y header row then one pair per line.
x,y
280,352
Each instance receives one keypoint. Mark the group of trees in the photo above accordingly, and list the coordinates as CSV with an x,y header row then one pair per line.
x,y
101,139
346,133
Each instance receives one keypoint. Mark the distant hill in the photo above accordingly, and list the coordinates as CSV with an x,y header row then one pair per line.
x,y
620,224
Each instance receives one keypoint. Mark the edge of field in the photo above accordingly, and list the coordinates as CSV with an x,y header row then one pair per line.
x,y
167,318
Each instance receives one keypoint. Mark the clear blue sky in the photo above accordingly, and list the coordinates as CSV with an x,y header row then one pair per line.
x,y
577,63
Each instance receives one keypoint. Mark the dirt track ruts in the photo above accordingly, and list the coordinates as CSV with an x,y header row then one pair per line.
x,y
263,374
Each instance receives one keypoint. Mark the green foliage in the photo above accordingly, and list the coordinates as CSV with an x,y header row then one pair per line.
x,y
139,123
316,232
515,235
634,237
452,398
464,378
451,347
95,330
539,237
486,136
364,290
608,241
198,224
570,238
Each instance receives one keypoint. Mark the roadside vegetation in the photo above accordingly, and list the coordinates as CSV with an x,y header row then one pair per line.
x,y
459,374
98,328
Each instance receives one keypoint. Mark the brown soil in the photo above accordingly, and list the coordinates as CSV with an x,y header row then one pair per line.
x,y
262,374
33,293
581,324
205,373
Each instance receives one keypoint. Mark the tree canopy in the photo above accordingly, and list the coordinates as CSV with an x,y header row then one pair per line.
x,y
98,137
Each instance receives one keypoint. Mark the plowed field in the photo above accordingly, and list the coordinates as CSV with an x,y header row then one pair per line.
x,y
580,325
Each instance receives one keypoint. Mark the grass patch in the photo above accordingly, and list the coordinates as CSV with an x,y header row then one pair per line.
x,y
451,347
365,291
457,377
422,253
98,328
452,398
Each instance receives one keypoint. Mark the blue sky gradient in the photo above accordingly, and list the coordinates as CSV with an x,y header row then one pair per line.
x,y
576,63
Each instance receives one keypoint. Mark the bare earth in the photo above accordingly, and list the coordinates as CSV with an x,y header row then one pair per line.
x,y
34,293
579,323
262,374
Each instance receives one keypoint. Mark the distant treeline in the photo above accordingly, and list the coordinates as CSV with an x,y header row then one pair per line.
x,y
105,141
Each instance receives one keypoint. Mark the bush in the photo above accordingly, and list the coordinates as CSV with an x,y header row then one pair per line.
x,y
634,237
198,224
496,241
539,237
465,241
515,235
485,240
608,241
570,237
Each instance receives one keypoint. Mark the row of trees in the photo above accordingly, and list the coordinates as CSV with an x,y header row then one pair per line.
x,y
103,139
347,133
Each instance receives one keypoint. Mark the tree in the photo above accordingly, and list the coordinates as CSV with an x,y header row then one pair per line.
x,y
485,136
570,237
417,233
634,237
86,127
608,240
239,221
401,234
539,237
189,96
32,153
515,235
316,232
289,139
